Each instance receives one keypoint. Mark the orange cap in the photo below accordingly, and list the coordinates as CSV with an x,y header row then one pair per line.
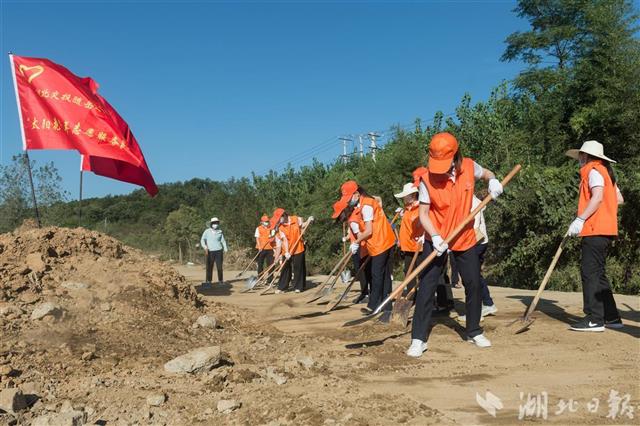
x,y
442,149
275,218
417,175
264,218
347,190
338,207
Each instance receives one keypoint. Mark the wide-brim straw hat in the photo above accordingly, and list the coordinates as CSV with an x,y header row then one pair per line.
x,y
593,148
408,189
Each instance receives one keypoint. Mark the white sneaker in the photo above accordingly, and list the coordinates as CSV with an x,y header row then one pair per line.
x,y
488,310
297,291
417,348
278,291
480,341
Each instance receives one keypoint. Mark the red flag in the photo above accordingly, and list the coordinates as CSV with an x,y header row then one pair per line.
x,y
59,110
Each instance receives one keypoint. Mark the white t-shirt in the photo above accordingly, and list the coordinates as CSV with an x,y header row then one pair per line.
x,y
479,223
355,228
257,235
595,179
367,213
423,192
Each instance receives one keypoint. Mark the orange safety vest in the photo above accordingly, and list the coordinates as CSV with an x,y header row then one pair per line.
x,y
291,232
451,203
263,239
410,229
382,237
605,220
356,217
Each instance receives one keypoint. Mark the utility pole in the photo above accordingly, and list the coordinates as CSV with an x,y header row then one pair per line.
x,y
345,157
373,147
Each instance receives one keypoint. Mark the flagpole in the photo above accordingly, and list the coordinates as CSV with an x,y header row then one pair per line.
x,y
80,194
33,191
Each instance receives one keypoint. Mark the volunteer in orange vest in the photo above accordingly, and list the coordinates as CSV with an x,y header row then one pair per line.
x,y
445,193
597,224
411,235
290,249
353,217
264,244
380,241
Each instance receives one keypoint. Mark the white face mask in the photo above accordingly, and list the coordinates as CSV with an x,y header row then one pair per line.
x,y
215,225
265,224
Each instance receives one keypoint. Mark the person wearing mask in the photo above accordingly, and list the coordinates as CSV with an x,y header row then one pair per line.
x,y
411,234
215,246
264,244
597,224
290,249
353,217
445,193
380,241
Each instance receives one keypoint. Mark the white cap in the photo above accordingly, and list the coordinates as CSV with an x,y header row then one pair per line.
x,y
214,219
408,189
593,148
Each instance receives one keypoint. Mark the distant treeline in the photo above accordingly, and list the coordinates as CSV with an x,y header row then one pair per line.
x,y
581,82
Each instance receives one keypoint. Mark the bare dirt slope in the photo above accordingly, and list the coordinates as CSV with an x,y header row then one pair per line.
x,y
87,325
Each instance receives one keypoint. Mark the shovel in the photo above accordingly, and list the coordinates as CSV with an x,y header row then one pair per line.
x,y
402,306
395,293
254,258
335,304
328,289
253,281
319,293
525,321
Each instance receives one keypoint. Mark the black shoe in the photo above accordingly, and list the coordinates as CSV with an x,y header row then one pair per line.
x,y
386,317
615,324
587,325
366,310
360,299
206,285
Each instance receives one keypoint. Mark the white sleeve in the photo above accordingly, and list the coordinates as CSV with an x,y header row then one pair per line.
x,y
257,234
478,171
367,213
595,179
278,242
423,194
355,228
300,221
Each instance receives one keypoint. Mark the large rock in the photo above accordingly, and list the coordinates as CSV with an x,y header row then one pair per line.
x,y
305,361
67,418
44,309
226,406
12,400
156,399
200,359
206,321
35,263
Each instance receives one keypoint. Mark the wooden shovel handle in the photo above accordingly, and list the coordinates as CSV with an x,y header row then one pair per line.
x,y
395,293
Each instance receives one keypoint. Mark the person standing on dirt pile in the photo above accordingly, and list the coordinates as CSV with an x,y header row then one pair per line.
x,y
411,235
380,241
264,244
214,245
353,217
597,224
288,231
445,196
480,227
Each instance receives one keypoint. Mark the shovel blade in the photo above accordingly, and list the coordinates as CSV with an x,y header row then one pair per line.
x,y
251,283
401,309
524,324
345,276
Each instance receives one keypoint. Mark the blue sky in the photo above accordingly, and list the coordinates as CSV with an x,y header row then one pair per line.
x,y
215,90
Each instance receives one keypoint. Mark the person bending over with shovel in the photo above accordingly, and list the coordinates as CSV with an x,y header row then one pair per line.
x,y
264,244
215,246
411,235
597,224
288,232
380,241
353,217
445,193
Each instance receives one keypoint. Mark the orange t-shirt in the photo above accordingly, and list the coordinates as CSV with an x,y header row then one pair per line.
x,y
451,203
410,229
382,237
263,240
292,233
605,219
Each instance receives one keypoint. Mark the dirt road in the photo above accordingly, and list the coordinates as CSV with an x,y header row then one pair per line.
x,y
547,374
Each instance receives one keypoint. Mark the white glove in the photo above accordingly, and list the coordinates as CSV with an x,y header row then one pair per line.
x,y
576,227
398,210
287,256
311,219
354,247
272,233
495,188
439,245
345,239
